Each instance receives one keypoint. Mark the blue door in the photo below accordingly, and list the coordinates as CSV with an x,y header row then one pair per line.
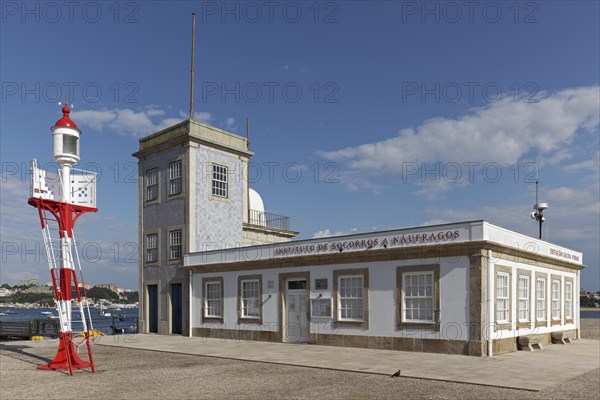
x,y
153,308
176,309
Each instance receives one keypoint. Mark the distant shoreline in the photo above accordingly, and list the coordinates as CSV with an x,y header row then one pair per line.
x,y
590,309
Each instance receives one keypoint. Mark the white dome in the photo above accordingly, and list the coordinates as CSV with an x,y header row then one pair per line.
x,y
255,201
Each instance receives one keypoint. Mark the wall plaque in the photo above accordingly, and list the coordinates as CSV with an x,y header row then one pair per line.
x,y
321,284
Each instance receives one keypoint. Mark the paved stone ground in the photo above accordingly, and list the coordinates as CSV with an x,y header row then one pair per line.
x,y
133,374
516,370
590,329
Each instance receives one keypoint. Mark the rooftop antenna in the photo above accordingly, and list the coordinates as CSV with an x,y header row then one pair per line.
x,y
248,131
192,69
539,208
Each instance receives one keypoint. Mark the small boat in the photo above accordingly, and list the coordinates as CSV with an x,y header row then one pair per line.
x,y
2,314
10,312
102,312
46,312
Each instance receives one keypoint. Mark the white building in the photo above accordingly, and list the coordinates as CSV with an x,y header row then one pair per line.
x,y
209,268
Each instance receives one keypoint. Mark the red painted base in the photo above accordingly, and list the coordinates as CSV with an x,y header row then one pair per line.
x,y
66,358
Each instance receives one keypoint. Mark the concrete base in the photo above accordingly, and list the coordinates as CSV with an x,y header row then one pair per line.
x,y
527,343
560,337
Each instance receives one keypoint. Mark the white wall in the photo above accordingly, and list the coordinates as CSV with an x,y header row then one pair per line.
x,y
513,331
454,278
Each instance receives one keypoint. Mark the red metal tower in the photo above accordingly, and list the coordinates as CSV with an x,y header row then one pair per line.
x,y
61,197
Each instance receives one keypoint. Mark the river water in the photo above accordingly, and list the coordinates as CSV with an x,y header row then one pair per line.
x,y
101,323
589,313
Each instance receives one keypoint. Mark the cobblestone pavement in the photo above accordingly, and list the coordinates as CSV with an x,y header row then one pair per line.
x,y
133,374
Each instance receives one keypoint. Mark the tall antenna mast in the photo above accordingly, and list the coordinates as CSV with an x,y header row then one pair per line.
x,y
248,131
192,69
539,208
537,178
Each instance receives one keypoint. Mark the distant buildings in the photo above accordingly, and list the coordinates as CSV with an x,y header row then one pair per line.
x,y
590,299
38,289
109,286
27,282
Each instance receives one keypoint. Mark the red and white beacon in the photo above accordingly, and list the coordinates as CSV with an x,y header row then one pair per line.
x,y
61,195
65,136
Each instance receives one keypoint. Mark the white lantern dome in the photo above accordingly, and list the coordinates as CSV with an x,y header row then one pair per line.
x,y
66,139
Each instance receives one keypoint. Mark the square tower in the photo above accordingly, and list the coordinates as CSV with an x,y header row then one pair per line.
x,y
193,196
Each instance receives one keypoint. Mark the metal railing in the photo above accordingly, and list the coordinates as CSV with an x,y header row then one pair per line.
x,y
269,220
26,329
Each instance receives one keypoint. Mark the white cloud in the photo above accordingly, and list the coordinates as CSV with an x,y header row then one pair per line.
x,y
205,117
94,119
169,122
431,190
153,112
129,121
500,132
592,164
558,157
328,233
124,121
138,123
571,220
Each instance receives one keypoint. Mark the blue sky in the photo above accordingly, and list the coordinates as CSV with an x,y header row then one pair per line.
x,y
364,115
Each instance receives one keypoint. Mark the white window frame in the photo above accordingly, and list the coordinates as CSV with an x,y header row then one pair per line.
x,y
175,244
540,304
523,292
352,302
219,181
151,184
555,299
568,300
420,297
211,303
175,180
152,247
250,302
504,299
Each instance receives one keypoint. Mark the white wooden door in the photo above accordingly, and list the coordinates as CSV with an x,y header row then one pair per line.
x,y
296,326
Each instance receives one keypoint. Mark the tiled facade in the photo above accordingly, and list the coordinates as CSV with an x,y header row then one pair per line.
x,y
218,221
